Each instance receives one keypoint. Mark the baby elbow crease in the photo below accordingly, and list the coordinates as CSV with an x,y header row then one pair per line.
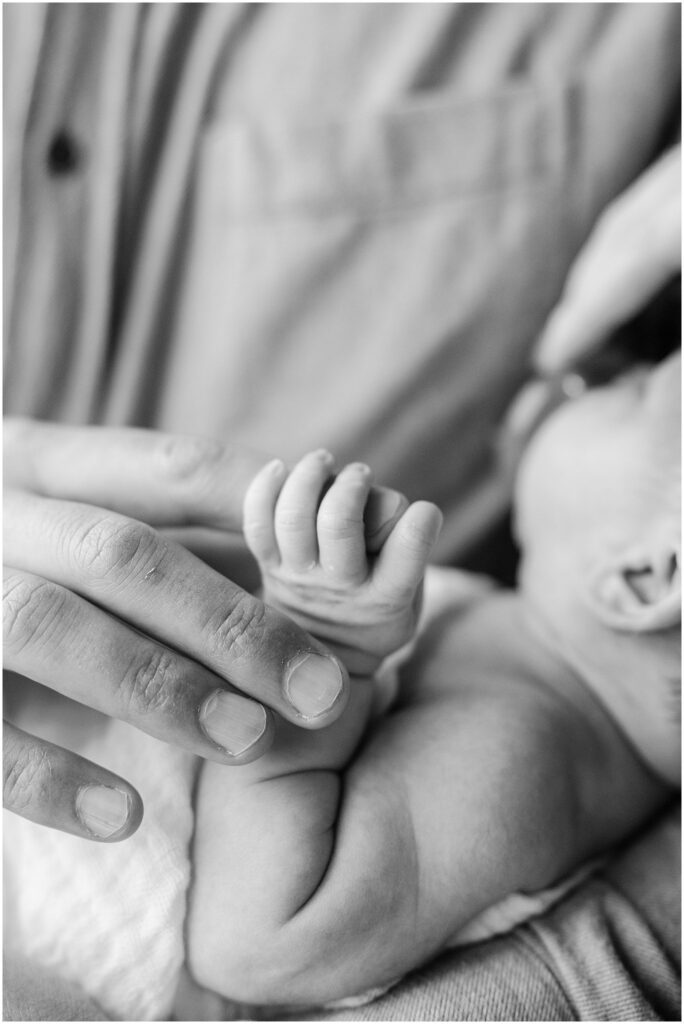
x,y
313,959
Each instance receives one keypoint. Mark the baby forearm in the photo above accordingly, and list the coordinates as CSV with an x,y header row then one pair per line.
x,y
264,838
311,886
271,842
452,804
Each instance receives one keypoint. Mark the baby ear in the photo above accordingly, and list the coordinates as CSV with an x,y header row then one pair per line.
x,y
639,590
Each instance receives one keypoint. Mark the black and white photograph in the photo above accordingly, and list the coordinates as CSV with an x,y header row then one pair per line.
x,y
342,511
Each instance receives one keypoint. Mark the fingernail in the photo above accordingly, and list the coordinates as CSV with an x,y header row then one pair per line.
x,y
103,810
232,722
313,685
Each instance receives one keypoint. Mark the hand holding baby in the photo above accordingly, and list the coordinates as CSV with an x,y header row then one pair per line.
x,y
101,607
633,251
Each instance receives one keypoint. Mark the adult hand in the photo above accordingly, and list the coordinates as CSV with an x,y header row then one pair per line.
x,y
100,606
634,250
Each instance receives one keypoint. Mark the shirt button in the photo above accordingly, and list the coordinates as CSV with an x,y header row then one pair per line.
x,y
63,155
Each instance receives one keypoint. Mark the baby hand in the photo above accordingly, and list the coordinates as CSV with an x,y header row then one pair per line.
x,y
306,530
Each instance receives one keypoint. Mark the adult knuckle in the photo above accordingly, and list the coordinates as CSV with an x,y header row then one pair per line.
x,y
31,607
241,628
26,774
149,685
184,457
112,548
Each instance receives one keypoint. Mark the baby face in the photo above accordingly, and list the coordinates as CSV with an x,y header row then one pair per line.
x,y
605,464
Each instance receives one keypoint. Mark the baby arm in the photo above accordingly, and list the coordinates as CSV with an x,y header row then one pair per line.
x,y
346,857
266,837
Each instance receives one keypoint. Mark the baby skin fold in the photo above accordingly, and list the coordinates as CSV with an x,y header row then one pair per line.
x,y
532,728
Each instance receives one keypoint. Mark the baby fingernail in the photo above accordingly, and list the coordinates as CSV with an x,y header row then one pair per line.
x,y
313,685
232,722
103,810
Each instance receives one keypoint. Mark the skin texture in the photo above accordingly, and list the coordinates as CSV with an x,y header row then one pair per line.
x,y
105,605
500,768
617,506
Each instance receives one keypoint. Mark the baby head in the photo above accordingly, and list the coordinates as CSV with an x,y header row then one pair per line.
x,y
598,516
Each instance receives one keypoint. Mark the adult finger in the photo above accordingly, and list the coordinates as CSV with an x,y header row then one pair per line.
x,y
54,637
54,787
129,570
225,552
633,252
162,479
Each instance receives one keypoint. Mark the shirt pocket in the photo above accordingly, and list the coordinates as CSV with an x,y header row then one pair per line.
x,y
374,283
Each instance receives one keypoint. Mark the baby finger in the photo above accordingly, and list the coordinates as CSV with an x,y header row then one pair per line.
x,y
341,542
